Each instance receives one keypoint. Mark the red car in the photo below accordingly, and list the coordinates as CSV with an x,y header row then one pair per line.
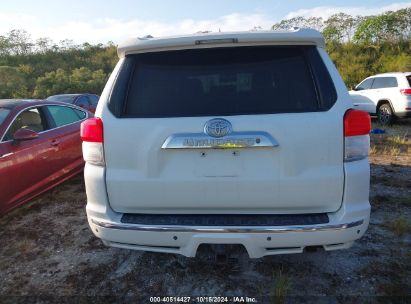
x,y
85,101
40,147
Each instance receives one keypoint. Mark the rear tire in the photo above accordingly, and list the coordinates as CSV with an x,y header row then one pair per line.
x,y
385,114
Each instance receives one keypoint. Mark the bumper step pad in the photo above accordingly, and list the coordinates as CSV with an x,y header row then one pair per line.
x,y
226,219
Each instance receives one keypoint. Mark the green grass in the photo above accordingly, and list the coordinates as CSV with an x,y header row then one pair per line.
x,y
396,141
389,145
400,226
280,287
400,139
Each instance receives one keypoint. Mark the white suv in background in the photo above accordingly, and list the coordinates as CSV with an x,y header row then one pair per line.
x,y
386,95
228,138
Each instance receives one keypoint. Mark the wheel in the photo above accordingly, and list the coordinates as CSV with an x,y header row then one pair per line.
x,y
385,114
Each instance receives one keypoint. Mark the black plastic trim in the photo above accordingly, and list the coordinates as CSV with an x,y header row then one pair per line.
x,y
237,220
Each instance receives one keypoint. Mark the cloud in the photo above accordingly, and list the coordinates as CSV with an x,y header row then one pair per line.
x,y
116,30
10,21
327,11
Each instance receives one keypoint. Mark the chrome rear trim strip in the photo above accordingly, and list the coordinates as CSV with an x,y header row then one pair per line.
x,y
234,140
209,229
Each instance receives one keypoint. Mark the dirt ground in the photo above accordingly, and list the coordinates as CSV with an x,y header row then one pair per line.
x,y
49,254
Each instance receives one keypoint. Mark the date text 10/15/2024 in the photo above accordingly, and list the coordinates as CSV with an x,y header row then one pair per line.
x,y
201,299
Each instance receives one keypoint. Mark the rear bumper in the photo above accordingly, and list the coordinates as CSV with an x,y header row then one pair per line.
x,y
225,229
345,226
258,241
402,107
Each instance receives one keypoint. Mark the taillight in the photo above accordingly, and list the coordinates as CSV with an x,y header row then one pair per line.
x,y
405,91
357,127
91,132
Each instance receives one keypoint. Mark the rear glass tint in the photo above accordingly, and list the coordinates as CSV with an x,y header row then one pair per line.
x,y
62,98
93,100
63,115
365,85
409,80
80,114
384,82
227,81
3,114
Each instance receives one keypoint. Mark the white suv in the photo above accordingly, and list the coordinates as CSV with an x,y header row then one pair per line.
x,y
228,138
386,95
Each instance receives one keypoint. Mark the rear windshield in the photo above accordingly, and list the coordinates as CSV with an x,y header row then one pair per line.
x,y
409,79
224,81
62,98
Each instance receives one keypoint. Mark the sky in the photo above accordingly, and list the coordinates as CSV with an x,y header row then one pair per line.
x,y
102,21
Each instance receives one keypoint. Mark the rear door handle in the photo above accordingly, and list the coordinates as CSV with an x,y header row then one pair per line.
x,y
54,142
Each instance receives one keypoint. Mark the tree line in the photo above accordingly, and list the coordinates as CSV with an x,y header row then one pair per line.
x,y
37,69
359,46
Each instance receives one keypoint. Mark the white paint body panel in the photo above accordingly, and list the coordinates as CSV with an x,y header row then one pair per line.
x,y
143,178
305,173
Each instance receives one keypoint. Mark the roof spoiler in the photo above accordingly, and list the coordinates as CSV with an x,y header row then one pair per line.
x,y
294,36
